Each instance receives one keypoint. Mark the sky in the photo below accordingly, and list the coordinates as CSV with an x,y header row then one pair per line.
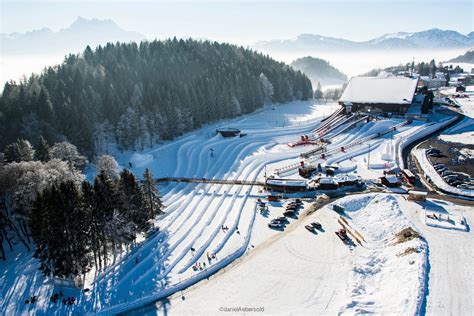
x,y
245,21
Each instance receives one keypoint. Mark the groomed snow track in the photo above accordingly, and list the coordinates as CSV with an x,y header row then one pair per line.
x,y
210,192
213,181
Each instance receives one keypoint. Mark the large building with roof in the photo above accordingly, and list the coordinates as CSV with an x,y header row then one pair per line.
x,y
379,94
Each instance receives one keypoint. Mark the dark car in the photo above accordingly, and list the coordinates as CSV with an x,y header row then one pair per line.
x,y
433,150
275,225
316,225
277,221
289,214
282,219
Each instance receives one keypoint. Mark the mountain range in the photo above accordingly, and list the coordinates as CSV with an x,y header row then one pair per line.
x,y
429,39
72,39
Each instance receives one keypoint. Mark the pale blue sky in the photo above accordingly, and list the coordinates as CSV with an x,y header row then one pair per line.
x,y
246,21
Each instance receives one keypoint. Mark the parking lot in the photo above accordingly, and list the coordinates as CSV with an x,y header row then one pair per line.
x,y
451,164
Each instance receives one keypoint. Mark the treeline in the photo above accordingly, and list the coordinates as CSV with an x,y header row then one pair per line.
x,y
422,68
72,224
138,94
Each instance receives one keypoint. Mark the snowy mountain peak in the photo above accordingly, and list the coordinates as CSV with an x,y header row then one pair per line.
x,y
72,39
81,22
428,39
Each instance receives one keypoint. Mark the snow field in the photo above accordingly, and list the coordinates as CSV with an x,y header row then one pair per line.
x,y
380,271
318,272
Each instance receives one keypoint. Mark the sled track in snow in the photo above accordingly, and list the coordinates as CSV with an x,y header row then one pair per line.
x,y
204,190
213,181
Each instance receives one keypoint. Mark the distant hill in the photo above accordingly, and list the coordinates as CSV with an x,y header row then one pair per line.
x,y
319,70
429,39
72,39
468,57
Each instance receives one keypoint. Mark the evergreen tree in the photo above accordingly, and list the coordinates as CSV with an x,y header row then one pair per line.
x,y
153,204
133,201
318,94
60,233
42,150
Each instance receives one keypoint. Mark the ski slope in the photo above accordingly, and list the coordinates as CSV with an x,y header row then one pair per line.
x,y
191,227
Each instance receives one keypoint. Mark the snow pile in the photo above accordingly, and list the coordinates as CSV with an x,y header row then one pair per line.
x,y
431,174
464,138
463,132
467,153
388,276
141,160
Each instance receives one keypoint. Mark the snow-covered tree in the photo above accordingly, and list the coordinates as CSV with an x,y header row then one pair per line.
x,y
267,86
236,108
68,152
109,166
318,93
21,150
128,129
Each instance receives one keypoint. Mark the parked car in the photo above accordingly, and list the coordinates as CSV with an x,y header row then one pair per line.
x,y
433,151
282,219
447,173
275,225
290,214
316,225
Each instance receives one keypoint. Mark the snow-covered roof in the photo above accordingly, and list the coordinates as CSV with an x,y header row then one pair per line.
x,y
390,90
420,193
328,181
283,182
347,178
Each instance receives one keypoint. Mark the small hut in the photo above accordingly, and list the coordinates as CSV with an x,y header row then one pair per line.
x,y
328,184
390,181
228,131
